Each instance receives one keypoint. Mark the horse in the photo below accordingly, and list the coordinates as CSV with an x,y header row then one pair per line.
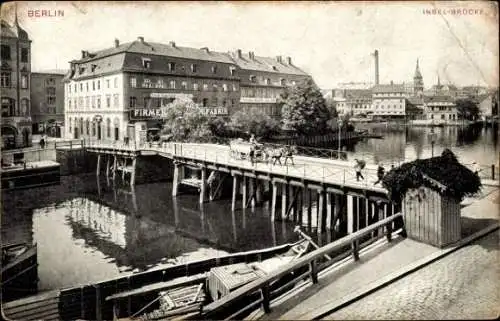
x,y
273,154
288,152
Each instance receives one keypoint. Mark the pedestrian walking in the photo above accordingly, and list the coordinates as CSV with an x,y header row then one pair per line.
x,y
288,152
358,167
380,174
476,168
42,142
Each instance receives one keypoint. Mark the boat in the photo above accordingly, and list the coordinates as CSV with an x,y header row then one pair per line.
x,y
126,296
186,295
19,270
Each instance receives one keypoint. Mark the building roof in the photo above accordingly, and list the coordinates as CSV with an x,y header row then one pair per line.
x,y
14,31
416,100
439,98
358,93
442,173
389,88
266,64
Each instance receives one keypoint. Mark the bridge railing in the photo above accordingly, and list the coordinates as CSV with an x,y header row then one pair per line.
x,y
312,263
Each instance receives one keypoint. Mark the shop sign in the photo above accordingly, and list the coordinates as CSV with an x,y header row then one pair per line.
x,y
170,95
146,113
214,111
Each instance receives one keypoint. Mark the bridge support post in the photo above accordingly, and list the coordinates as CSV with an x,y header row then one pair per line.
x,y
203,186
380,209
175,183
132,175
284,201
306,205
321,213
244,191
350,214
329,221
235,192
124,164
108,159
273,202
114,166
98,170
258,191
252,188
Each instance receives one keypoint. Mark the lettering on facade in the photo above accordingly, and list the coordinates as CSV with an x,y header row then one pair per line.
x,y
170,95
157,113
42,13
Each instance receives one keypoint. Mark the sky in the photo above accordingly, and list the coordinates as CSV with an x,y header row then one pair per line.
x,y
332,41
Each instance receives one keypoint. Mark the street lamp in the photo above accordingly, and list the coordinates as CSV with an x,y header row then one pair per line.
x,y
339,122
432,137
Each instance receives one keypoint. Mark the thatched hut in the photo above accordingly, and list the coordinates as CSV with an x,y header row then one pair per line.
x,y
430,191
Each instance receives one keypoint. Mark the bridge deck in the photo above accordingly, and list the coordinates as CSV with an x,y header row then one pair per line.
x,y
333,172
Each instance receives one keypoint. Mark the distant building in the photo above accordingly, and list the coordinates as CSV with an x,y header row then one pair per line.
x,y
359,101
15,85
486,105
418,82
440,109
389,101
264,79
47,102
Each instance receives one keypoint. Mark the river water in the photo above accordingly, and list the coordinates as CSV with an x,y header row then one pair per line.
x,y
88,230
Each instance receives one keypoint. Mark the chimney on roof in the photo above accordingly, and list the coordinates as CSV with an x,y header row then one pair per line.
x,y
141,39
117,43
172,44
251,55
205,49
238,53
377,75
85,54
289,60
278,59
392,83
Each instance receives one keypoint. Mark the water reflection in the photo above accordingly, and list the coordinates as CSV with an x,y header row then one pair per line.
x,y
469,143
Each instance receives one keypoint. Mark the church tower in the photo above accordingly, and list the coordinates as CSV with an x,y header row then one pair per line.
x,y
418,82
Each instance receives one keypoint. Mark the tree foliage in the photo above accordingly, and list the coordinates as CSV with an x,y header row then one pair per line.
x,y
304,109
467,109
255,122
186,122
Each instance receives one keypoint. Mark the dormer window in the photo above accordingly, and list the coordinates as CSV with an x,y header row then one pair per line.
x,y
194,68
81,70
232,70
93,67
171,66
282,82
214,69
214,87
268,81
253,78
146,63
224,87
274,68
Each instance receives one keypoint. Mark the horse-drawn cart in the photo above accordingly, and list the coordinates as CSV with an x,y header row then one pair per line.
x,y
241,149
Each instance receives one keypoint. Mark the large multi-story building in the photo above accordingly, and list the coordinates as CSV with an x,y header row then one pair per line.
x,y
264,79
359,101
440,109
389,101
15,85
119,92
47,102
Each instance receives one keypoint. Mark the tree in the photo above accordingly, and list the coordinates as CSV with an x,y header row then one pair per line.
x,y
254,122
467,109
304,109
186,122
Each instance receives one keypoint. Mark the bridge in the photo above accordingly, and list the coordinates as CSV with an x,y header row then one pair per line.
x,y
309,190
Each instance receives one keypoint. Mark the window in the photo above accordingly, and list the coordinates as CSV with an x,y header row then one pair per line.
x,y
235,88
171,66
160,83
107,82
224,87
195,100
69,104
93,101
196,86
146,63
146,102
76,88
87,102
253,78
108,128
98,85
194,68
205,102
87,125
51,100
214,69
132,102
172,84
70,124
93,85
93,67
5,79
184,85
116,100
268,81
5,53
69,88
24,55
232,70
146,83
282,82
214,101
214,87
108,101
81,70
224,103
442,116
80,102
98,101
87,85
205,87
115,80
7,106
133,82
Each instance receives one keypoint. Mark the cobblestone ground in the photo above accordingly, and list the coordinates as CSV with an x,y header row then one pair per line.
x,y
462,285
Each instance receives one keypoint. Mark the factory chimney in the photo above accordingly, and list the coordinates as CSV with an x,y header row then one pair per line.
x,y
376,68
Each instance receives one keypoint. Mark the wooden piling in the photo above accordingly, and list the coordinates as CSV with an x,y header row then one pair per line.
x,y
176,179
134,168
273,203
244,191
252,192
108,158
320,211
306,205
350,214
284,202
329,219
115,162
235,192
203,186
98,170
